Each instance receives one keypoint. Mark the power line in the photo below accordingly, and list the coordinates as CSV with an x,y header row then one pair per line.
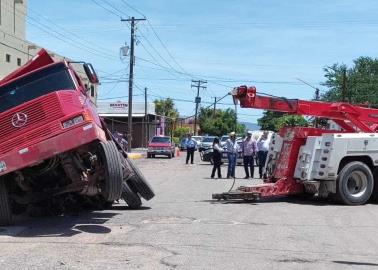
x,y
105,8
55,34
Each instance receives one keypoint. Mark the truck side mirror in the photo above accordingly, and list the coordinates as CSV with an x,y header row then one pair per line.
x,y
91,73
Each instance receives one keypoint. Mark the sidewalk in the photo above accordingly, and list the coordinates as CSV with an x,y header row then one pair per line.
x,y
137,153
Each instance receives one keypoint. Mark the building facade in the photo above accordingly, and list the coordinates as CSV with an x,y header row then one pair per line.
x,y
15,50
144,120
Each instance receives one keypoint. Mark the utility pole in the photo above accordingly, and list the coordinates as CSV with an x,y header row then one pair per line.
x,y
145,117
197,84
131,77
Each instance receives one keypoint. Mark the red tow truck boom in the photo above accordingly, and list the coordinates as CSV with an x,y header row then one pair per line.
x,y
344,114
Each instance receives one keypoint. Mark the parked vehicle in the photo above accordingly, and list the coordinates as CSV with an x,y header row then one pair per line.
x,y
182,145
54,148
223,140
239,159
206,143
161,145
207,155
198,139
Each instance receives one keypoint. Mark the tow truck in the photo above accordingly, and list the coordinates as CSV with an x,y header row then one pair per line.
x,y
341,164
54,147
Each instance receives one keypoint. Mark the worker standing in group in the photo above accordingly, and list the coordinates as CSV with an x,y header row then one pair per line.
x,y
217,158
249,150
263,147
190,148
232,152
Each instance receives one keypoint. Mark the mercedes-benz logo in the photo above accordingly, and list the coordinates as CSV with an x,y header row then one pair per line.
x,y
19,119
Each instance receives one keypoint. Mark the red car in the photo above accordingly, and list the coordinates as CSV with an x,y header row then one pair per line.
x,y
161,145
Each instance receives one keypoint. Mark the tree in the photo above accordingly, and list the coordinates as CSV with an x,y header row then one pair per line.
x,y
268,121
166,107
276,120
219,122
361,81
180,132
291,121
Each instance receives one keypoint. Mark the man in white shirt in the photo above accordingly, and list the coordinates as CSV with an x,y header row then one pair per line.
x,y
263,147
232,152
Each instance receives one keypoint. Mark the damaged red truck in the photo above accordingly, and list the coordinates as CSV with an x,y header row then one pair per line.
x,y
54,147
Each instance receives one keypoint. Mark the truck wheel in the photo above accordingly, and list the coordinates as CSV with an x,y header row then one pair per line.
x,y
132,199
5,207
355,183
112,164
170,155
139,183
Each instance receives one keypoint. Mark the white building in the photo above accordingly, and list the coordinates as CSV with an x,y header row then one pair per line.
x,y
15,50
115,114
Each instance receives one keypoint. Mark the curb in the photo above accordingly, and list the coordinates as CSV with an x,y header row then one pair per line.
x,y
134,155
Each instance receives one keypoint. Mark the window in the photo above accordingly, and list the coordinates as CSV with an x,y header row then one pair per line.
x,y
18,61
92,91
36,84
161,140
7,58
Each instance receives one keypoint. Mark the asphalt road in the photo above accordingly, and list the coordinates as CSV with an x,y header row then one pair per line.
x,y
182,228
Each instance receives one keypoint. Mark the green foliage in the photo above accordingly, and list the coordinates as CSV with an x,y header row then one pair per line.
x,y
361,81
268,121
219,122
181,132
166,107
290,121
176,140
276,120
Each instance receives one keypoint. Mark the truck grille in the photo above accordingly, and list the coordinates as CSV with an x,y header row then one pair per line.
x,y
40,112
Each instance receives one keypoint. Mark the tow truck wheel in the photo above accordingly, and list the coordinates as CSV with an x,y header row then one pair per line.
x,y
5,207
354,184
139,183
112,164
132,199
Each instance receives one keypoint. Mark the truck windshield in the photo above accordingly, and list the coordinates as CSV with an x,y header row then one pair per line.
x,y
36,84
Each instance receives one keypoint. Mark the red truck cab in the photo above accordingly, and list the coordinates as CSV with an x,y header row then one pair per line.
x,y
44,112
54,146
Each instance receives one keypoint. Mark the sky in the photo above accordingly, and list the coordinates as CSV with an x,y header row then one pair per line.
x,y
269,44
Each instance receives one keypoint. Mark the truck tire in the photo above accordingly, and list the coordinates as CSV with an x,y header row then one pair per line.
x,y
139,183
354,184
132,199
5,207
110,159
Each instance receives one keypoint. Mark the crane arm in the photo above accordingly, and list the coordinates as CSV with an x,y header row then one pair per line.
x,y
345,114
